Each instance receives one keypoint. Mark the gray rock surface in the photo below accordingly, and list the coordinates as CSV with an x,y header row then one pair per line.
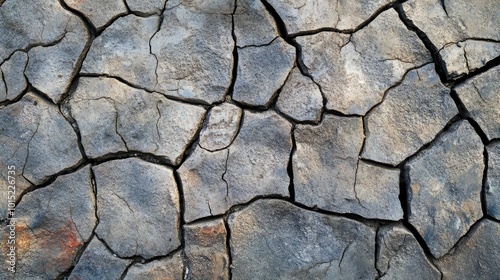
x,y
36,139
459,20
300,15
262,71
399,256
13,82
492,188
100,13
123,50
410,116
146,6
444,187
97,262
300,98
165,268
325,162
138,208
253,25
52,225
222,127
481,98
206,251
477,256
355,71
194,49
273,239
258,158
114,117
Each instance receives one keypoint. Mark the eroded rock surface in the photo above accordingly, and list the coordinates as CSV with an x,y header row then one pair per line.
x,y
253,25
13,81
146,6
223,124
168,267
492,189
98,12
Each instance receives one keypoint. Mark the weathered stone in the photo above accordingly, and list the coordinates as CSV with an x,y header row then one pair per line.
x,y
465,57
300,15
253,25
146,6
97,262
399,256
166,268
300,98
14,81
355,71
492,189
481,97
205,191
36,139
114,117
138,208
444,187
206,251
123,50
222,126
262,72
273,239
411,116
475,257
325,162
258,158
458,21
100,13
194,48
52,225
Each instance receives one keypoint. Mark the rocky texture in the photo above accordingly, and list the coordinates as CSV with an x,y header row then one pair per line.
x,y
98,12
492,188
399,256
273,239
300,98
481,97
114,117
97,262
206,252
300,16
477,256
410,116
165,268
444,187
194,50
138,208
253,25
13,81
222,127
146,6
36,139
111,53
262,71
459,21
52,225
355,70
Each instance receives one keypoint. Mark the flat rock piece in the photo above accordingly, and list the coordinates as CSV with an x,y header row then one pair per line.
x,y
481,97
98,12
206,251
194,48
355,70
475,257
52,224
411,116
138,208
166,268
114,117
262,71
223,124
301,15
300,98
14,82
444,187
123,50
492,190
399,255
97,262
146,6
273,239
253,25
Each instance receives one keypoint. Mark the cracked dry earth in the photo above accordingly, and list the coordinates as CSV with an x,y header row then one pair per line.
x,y
248,139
